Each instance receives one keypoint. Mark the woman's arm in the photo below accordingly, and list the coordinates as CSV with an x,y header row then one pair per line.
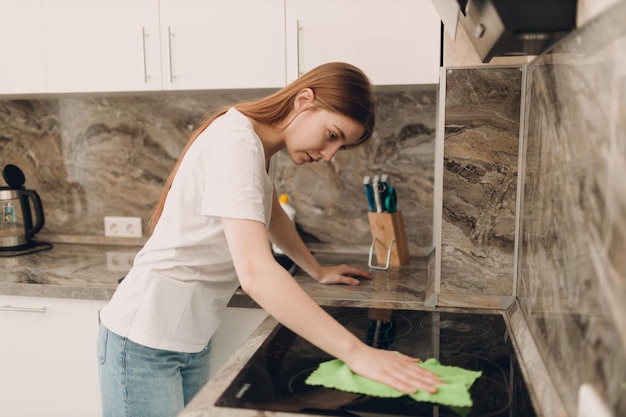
x,y
278,293
283,233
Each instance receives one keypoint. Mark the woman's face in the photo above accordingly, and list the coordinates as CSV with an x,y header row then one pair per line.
x,y
317,134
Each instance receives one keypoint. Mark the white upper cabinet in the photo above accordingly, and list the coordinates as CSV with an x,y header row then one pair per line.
x,y
102,45
392,41
79,46
138,45
211,44
22,63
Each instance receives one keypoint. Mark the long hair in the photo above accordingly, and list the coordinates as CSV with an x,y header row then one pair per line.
x,y
338,87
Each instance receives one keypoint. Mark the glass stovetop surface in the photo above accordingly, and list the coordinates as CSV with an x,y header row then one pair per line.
x,y
273,379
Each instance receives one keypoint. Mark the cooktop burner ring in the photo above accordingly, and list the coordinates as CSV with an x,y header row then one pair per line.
x,y
377,327
320,397
461,326
326,399
493,380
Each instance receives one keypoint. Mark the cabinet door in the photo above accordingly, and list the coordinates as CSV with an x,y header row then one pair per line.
x,y
23,67
48,357
237,325
211,44
102,45
94,326
392,41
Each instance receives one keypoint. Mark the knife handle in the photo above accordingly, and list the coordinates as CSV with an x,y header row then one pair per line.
x,y
369,193
377,199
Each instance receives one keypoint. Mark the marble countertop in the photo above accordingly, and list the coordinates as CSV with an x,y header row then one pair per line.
x,y
82,271
399,287
92,271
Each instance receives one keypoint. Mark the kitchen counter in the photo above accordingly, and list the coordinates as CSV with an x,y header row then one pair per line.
x,y
81,271
398,288
92,271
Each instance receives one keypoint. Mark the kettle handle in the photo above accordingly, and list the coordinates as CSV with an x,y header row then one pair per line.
x,y
30,233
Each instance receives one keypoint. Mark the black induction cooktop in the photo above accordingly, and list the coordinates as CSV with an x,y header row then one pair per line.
x,y
273,379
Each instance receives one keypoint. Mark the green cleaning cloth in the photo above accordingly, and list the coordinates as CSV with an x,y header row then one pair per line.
x,y
454,391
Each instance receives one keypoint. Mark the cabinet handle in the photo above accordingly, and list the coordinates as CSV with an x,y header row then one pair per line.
x,y
169,51
298,47
143,48
23,309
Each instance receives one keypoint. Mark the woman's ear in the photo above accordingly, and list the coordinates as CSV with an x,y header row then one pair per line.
x,y
304,99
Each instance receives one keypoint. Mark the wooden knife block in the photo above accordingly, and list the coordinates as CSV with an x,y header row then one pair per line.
x,y
388,227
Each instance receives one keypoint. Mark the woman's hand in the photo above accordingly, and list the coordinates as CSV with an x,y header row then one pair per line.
x,y
341,274
393,369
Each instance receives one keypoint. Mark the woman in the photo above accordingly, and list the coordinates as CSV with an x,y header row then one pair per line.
x,y
210,234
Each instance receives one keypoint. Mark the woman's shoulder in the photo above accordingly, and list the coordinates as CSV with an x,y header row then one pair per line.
x,y
232,129
231,121
233,118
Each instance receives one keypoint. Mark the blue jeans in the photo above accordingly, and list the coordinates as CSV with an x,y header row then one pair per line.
x,y
137,381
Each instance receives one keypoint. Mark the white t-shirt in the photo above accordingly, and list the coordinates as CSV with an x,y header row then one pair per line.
x,y
180,283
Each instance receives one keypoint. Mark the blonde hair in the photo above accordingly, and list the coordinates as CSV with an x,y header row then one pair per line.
x,y
337,86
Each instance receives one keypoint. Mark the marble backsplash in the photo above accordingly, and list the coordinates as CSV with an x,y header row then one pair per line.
x,y
480,138
572,268
90,156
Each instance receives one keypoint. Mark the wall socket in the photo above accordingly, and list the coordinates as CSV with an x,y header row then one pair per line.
x,y
122,226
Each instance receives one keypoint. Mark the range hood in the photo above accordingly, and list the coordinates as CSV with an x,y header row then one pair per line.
x,y
509,27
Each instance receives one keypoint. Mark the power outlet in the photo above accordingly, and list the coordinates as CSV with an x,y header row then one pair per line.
x,y
122,226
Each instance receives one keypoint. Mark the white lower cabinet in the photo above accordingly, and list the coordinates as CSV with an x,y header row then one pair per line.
x,y
48,361
237,325
48,357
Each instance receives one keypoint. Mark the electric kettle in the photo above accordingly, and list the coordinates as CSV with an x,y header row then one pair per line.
x,y
17,206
